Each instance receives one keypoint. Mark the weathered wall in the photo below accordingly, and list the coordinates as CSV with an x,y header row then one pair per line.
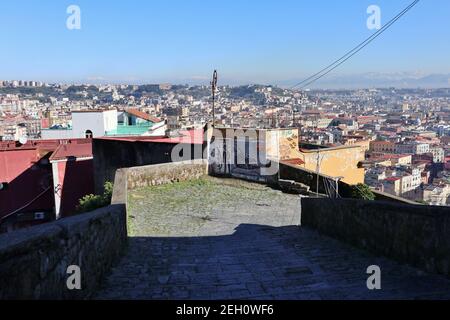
x,y
337,162
309,178
111,155
382,196
304,176
245,153
139,177
411,234
34,261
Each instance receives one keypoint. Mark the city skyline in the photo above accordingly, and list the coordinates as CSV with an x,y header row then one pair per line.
x,y
124,43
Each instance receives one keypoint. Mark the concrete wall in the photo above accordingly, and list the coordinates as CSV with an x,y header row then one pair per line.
x,y
140,177
337,162
72,180
97,122
111,155
55,134
281,145
411,234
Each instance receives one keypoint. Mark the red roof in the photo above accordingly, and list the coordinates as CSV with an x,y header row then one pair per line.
x,y
392,179
48,145
14,162
66,151
295,162
142,115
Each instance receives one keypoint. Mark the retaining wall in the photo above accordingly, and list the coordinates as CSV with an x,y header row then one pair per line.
x,y
412,234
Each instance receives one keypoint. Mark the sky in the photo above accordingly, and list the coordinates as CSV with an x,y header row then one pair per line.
x,y
247,41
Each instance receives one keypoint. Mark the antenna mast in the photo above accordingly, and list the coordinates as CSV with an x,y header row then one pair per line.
x,y
213,88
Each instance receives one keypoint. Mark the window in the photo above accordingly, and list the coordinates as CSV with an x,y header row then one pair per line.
x,y
3,186
89,134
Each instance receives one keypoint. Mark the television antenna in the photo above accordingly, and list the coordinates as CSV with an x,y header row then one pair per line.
x,y
23,140
213,88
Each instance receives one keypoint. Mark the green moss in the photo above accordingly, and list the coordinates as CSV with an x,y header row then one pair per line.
x,y
189,204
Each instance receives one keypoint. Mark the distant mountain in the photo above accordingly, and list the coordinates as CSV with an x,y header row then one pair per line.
x,y
378,80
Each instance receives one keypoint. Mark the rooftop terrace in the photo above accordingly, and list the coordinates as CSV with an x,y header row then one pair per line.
x,y
220,239
130,130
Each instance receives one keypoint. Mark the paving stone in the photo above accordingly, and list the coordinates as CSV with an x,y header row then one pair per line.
x,y
212,239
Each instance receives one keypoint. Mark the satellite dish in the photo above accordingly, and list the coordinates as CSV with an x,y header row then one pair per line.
x,y
23,140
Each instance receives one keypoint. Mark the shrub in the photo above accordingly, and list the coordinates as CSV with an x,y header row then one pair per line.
x,y
363,192
93,202
107,194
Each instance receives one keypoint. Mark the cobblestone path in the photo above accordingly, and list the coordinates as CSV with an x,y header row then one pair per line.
x,y
227,239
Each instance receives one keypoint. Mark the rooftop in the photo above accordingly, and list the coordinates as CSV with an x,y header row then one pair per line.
x,y
186,136
143,115
220,239
130,130
66,151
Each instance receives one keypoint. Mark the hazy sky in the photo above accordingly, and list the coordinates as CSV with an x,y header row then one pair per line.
x,y
180,41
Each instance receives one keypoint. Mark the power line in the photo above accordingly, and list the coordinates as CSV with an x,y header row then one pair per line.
x,y
25,206
361,45
354,51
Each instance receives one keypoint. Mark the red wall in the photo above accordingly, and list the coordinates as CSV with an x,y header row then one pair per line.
x,y
77,180
28,175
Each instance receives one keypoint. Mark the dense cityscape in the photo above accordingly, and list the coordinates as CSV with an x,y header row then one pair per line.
x,y
228,159
404,133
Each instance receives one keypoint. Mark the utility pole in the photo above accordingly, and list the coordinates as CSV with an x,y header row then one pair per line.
x,y
318,172
293,118
213,88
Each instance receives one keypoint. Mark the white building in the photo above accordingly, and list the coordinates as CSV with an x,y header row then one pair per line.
x,y
95,124
412,148
85,124
437,195
438,154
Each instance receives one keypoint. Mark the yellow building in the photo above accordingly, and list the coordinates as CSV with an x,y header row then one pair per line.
x,y
336,162
362,142
282,145
339,162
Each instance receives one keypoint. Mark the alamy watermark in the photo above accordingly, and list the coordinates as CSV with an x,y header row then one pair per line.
x,y
74,280
73,21
374,20
374,280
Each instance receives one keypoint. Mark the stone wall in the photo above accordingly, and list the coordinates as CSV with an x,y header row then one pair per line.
x,y
412,234
140,177
34,261
146,176
304,176
309,178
